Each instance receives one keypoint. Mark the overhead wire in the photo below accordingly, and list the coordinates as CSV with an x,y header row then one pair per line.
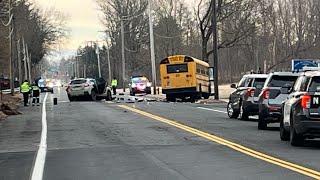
x,y
167,37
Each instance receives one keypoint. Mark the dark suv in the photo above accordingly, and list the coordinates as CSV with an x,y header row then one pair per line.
x,y
243,102
275,91
301,110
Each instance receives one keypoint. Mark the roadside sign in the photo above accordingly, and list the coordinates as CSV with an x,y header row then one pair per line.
x,y
299,64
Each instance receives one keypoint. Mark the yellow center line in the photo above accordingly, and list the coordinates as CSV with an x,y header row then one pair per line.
x,y
240,148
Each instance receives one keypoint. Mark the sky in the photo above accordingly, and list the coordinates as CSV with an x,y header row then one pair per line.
x,y
84,23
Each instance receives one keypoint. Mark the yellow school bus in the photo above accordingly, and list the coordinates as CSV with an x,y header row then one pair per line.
x,y
184,77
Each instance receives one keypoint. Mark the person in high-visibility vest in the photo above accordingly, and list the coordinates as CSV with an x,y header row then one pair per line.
x,y
114,84
25,90
35,94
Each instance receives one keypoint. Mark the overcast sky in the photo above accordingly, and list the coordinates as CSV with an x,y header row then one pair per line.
x,y
84,21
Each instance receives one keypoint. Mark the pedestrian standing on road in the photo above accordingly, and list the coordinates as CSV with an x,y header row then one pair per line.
x,y
35,94
114,84
25,90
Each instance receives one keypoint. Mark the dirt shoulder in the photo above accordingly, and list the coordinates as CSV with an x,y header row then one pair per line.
x,y
9,105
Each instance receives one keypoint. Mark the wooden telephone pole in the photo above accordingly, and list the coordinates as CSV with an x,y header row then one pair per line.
x,y
215,49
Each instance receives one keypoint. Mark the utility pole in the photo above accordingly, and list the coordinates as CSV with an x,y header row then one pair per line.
x,y
29,67
109,63
108,55
98,56
74,69
19,61
123,57
77,65
10,48
153,59
215,49
25,59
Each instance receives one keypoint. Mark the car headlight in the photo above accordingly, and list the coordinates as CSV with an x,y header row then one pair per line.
x,y
149,84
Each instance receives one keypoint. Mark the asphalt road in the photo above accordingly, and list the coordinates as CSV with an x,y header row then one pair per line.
x,y
99,140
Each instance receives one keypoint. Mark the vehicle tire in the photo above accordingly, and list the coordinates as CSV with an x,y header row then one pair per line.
x,y
109,96
295,139
284,134
232,113
93,95
193,99
71,98
170,98
262,125
243,114
205,95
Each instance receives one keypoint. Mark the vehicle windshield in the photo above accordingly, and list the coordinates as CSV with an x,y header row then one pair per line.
x,y
281,81
139,80
315,84
259,82
80,81
242,82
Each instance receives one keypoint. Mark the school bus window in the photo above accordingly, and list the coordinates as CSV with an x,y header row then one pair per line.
x,y
177,68
207,73
203,71
198,71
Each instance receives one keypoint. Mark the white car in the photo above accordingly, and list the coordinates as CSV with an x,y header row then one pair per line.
x,y
82,88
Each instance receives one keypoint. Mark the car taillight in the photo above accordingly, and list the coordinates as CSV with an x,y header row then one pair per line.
x,y
250,92
266,94
305,101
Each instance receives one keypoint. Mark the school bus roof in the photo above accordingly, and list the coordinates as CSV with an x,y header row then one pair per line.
x,y
198,61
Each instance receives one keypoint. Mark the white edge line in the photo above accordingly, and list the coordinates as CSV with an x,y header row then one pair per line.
x,y
38,167
208,109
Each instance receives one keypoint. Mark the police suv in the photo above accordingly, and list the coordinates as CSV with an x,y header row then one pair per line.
x,y
243,101
275,91
301,110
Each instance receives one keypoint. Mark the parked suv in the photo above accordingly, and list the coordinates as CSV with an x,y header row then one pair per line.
x,y
275,91
243,102
88,87
301,110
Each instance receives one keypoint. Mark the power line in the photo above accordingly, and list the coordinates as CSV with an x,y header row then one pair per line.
x,y
167,37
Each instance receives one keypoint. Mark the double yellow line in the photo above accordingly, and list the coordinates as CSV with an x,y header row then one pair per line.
x,y
288,165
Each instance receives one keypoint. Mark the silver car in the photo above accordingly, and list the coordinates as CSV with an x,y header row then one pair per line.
x,y
82,88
